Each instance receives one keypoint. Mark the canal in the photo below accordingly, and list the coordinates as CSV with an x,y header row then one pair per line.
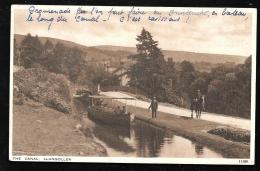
x,y
142,139
145,140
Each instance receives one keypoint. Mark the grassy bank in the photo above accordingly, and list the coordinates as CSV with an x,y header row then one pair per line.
x,y
40,130
44,119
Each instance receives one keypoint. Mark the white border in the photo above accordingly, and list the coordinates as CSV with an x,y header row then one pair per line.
x,y
213,161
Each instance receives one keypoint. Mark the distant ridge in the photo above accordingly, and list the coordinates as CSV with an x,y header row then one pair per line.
x,y
179,56
109,52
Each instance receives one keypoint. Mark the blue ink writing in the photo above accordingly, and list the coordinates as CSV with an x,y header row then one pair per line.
x,y
233,13
114,12
80,18
61,19
43,19
33,9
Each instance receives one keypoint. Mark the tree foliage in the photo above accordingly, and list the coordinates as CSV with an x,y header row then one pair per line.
x,y
31,50
227,90
16,55
231,93
61,59
148,73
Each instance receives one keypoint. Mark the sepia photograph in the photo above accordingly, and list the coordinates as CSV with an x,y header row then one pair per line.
x,y
132,84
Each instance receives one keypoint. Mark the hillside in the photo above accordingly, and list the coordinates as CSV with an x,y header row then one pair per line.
x,y
179,56
115,53
93,54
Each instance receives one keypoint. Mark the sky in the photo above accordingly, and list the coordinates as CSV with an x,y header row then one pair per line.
x,y
204,34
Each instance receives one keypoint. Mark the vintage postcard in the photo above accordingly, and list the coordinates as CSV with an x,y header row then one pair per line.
x,y
132,84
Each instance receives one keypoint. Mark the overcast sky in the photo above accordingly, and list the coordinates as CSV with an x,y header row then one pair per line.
x,y
221,35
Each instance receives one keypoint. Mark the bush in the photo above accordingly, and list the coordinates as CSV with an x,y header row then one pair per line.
x,y
232,134
42,86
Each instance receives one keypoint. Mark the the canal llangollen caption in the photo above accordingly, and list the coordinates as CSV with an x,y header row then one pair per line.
x,y
143,84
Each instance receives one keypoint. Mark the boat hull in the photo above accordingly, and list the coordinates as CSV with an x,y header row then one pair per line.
x,y
109,117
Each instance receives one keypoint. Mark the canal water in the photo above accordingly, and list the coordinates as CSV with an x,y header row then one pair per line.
x,y
144,140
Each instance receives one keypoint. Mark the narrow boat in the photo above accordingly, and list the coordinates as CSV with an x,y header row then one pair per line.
x,y
102,108
108,116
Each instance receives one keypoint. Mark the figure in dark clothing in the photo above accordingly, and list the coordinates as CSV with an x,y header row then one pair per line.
x,y
124,110
193,106
154,107
117,110
199,104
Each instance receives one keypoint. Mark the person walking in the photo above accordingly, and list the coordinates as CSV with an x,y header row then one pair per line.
x,y
193,106
154,107
199,104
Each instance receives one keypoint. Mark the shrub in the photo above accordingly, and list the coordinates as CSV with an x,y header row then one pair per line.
x,y
232,134
42,86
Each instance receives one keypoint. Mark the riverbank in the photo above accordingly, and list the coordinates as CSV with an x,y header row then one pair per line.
x,y
40,130
193,129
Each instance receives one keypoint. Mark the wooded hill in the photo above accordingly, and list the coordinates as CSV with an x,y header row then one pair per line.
x,y
115,53
226,87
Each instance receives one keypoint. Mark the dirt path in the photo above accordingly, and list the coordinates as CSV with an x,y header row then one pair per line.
x,y
38,130
173,110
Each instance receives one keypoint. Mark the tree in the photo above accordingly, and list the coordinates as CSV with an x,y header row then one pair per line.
x,y
148,72
103,77
48,46
75,63
186,66
229,91
47,54
198,84
67,61
215,92
186,76
243,74
16,53
31,51
171,74
56,63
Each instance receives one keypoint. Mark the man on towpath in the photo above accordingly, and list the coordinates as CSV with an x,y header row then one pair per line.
x,y
154,107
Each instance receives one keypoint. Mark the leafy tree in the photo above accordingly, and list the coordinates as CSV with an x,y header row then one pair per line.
x,y
56,63
47,54
68,61
198,84
243,74
103,77
31,51
214,96
147,74
48,46
230,90
186,76
16,53
75,63
171,73
186,66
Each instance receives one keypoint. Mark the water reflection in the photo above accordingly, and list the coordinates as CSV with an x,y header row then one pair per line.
x,y
149,139
199,149
113,137
145,140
